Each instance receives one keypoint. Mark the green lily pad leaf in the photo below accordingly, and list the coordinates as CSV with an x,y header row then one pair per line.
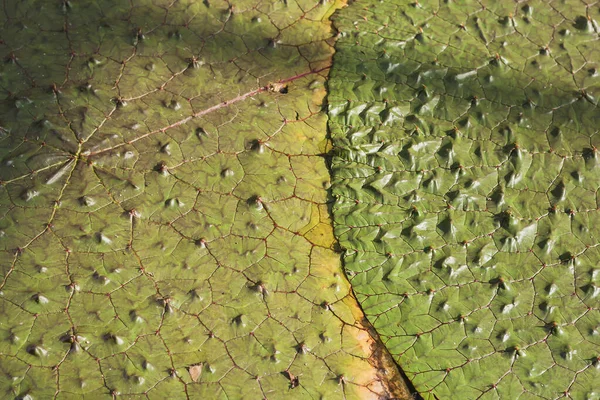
x,y
465,184
165,224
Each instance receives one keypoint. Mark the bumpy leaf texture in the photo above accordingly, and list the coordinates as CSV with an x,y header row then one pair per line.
x,y
466,177
164,227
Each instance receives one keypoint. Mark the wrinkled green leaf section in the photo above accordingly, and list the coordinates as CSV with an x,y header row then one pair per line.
x,y
466,177
163,226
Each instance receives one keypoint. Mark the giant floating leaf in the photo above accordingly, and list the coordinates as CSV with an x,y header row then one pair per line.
x,y
466,177
164,227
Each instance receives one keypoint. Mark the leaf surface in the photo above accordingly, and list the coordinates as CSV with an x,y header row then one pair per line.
x,y
164,227
465,174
